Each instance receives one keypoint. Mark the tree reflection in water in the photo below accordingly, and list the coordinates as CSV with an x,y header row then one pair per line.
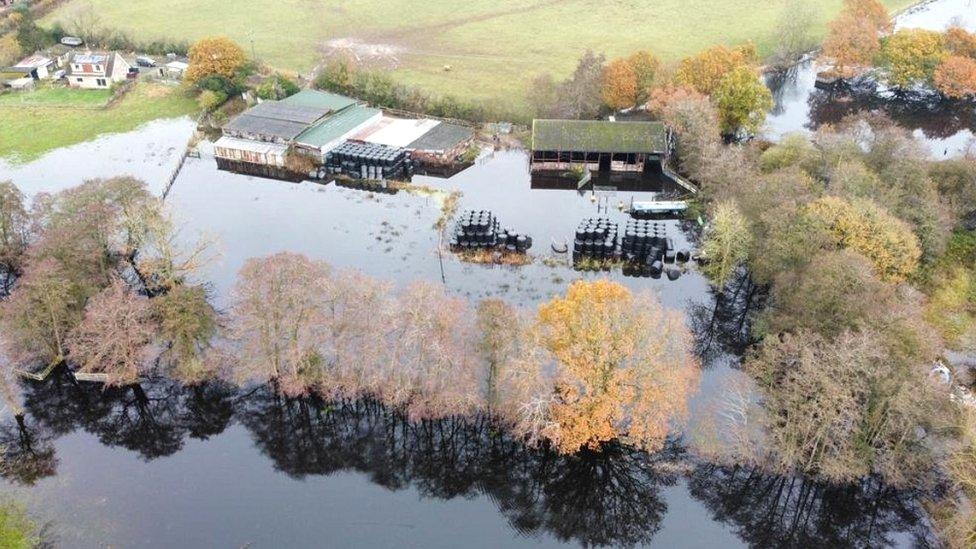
x,y
602,498
935,117
776,511
721,325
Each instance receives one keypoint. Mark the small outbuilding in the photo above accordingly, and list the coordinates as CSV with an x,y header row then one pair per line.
x,y
601,145
36,66
444,143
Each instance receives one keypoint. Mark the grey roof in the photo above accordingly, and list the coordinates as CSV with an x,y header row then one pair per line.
x,y
273,118
599,136
443,137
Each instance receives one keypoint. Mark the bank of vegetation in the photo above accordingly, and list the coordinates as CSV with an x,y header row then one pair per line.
x,y
862,247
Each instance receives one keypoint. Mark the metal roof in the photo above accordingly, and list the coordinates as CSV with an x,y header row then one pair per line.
x,y
443,137
599,136
34,61
289,113
337,126
276,119
319,99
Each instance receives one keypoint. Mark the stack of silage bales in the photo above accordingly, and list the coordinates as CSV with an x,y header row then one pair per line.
x,y
596,238
480,229
369,161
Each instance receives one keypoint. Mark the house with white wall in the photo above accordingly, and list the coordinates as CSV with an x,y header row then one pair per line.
x,y
96,70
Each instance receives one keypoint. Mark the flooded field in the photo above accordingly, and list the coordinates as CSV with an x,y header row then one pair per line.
x,y
946,129
164,466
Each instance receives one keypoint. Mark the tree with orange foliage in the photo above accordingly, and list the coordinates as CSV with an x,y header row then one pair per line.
x,y
960,42
852,43
704,71
623,367
956,77
619,84
855,35
871,11
214,56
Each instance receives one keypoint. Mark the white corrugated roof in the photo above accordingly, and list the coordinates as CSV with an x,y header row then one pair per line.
x,y
177,65
250,146
396,132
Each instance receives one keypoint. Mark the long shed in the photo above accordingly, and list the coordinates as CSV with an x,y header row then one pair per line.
x,y
599,145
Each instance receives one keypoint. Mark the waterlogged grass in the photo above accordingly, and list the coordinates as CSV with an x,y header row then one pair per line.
x,y
17,531
493,47
51,96
29,132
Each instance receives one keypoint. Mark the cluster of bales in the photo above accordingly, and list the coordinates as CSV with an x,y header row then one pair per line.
x,y
480,230
644,249
369,161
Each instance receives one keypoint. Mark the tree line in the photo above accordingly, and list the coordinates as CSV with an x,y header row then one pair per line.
x,y
97,278
864,250
862,41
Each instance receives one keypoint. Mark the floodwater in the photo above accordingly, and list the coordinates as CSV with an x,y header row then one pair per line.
x,y
167,466
945,129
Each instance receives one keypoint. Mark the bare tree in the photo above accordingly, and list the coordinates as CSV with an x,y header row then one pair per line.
x,y
430,368
116,335
278,319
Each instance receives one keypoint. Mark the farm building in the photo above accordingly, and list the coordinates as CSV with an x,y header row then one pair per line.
x,y
36,66
561,145
96,70
443,143
313,123
318,116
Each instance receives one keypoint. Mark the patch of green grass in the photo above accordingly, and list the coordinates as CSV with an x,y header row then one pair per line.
x,y
27,133
47,95
494,47
17,531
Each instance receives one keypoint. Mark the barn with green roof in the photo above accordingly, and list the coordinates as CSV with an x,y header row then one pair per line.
x,y
599,145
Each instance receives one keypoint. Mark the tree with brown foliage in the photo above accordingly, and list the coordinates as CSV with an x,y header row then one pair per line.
x,y
543,96
115,336
695,121
277,320
187,323
842,410
14,232
500,332
429,368
579,96
620,86
214,56
955,77
960,42
623,367
46,305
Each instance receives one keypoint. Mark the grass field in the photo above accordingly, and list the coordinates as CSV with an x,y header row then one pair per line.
x,y
50,96
494,47
27,133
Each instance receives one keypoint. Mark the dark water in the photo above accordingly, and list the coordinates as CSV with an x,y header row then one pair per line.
x,y
946,129
167,466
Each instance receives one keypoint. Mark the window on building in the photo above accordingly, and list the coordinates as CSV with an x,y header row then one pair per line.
x,y
79,79
100,81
